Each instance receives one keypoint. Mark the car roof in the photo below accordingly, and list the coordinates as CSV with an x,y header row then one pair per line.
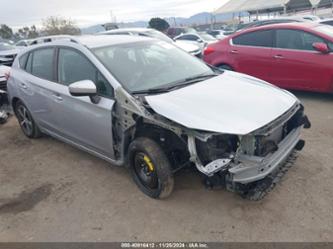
x,y
94,41
294,25
325,20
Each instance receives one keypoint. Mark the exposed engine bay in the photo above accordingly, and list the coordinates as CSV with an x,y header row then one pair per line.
x,y
247,164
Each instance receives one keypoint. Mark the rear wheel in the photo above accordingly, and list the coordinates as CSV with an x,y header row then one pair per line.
x,y
28,125
150,168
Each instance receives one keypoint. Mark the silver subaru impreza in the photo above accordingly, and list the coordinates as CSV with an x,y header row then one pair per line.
x,y
150,106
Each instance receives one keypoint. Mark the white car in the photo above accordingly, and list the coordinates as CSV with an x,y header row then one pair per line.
x,y
327,21
7,53
218,34
201,39
23,43
188,47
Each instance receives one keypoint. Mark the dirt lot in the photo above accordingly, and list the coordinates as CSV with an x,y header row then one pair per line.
x,y
52,192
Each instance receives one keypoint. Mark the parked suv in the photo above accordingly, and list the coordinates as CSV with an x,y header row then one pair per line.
x,y
143,103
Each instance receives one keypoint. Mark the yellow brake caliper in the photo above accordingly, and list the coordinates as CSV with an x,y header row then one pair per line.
x,y
149,163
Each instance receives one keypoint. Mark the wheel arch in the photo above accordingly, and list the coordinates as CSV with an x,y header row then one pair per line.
x,y
14,102
173,146
225,64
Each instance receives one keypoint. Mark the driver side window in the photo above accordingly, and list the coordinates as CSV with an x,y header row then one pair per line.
x,y
73,67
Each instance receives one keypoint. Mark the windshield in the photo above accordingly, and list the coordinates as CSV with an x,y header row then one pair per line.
x,y
325,29
146,65
6,46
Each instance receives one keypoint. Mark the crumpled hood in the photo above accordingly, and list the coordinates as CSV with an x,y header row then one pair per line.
x,y
231,103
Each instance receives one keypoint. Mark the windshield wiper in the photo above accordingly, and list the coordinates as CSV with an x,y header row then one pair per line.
x,y
176,85
200,77
153,90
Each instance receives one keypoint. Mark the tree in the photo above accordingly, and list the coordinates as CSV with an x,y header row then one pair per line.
x,y
60,26
33,33
159,24
5,31
27,33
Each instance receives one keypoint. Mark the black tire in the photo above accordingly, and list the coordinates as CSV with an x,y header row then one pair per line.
x,y
226,67
3,121
26,122
155,177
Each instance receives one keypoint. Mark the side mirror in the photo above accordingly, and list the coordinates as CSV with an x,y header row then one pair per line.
x,y
84,88
200,41
321,47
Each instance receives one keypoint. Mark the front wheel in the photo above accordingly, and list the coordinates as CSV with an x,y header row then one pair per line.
x,y
150,168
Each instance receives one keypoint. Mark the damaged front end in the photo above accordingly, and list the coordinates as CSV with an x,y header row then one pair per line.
x,y
251,165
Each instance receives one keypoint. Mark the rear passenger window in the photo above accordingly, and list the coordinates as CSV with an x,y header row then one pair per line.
x,y
74,66
42,63
256,39
28,66
23,60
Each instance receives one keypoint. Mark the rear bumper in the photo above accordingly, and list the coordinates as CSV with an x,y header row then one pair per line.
x,y
252,169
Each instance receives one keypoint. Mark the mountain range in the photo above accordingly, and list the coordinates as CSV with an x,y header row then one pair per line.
x,y
200,18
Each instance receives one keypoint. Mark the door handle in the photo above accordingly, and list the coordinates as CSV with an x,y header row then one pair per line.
x,y
234,51
57,97
24,86
278,56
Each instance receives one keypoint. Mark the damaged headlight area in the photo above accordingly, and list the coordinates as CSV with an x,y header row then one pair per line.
x,y
252,164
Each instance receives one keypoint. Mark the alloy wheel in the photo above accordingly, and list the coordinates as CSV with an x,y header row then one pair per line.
x,y
25,120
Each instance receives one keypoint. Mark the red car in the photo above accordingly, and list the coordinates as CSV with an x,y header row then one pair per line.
x,y
293,56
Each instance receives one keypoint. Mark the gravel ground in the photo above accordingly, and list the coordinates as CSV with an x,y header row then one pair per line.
x,y
52,192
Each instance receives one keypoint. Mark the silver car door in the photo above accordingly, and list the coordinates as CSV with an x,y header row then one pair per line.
x,y
81,121
35,82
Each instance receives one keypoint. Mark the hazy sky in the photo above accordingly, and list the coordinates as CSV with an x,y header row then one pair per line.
x,y
17,13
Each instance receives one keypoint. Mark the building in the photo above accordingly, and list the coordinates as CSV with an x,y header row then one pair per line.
x,y
256,7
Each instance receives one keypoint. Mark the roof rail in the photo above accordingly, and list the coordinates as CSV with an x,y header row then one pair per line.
x,y
46,39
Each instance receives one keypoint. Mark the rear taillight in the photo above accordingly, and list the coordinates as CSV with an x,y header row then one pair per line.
x,y
209,50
